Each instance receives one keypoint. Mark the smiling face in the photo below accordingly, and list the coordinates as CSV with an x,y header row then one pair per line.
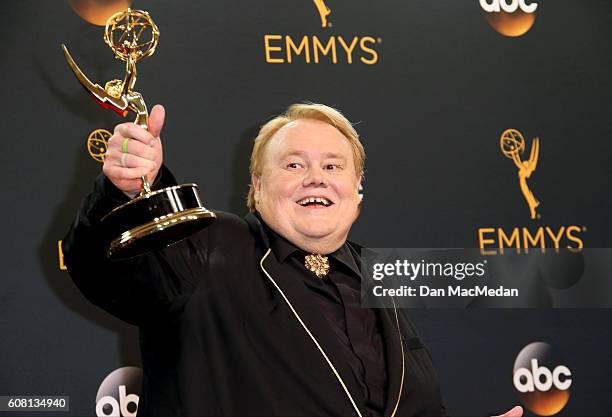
x,y
308,190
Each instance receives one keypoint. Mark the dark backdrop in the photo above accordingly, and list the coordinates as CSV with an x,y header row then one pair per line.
x,y
430,111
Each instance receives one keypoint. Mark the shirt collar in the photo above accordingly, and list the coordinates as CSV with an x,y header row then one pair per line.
x,y
282,249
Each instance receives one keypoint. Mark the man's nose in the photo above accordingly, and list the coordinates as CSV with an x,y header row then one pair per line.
x,y
315,176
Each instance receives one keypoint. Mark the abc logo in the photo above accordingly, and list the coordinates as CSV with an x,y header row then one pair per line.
x,y
510,17
509,6
119,393
542,382
541,378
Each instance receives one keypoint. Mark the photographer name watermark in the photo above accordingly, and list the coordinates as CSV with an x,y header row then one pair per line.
x,y
462,278
422,278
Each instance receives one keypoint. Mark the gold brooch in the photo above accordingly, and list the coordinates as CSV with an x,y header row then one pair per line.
x,y
318,264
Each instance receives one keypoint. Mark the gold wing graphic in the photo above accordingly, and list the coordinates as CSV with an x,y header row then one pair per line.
x,y
118,104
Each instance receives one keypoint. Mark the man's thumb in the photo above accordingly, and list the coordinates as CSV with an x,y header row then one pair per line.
x,y
516,411
156,120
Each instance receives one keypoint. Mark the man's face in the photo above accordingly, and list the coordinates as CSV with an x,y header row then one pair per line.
x,y
308,190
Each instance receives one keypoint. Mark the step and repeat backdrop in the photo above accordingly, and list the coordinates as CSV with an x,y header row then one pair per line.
x,y
486,125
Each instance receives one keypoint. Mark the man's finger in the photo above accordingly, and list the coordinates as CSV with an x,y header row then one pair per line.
x,y
133,147
156,120
119,173
131,161
131,187
133,131
517,411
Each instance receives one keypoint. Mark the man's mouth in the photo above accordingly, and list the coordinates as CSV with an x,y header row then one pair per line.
x,y
314,202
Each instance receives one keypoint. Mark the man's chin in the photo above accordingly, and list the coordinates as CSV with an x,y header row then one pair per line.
x,y
317,233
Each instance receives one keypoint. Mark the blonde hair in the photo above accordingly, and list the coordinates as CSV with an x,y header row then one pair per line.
x,y
312,111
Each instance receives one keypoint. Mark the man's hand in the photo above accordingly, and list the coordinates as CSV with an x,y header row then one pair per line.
x,y
517,411
144,153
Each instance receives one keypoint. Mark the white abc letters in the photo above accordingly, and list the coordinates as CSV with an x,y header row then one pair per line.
x,y
509,6
541,378
538,373
118,409
124,400
110,401
562,370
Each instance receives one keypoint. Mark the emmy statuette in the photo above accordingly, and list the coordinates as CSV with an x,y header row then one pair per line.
x,y
154,219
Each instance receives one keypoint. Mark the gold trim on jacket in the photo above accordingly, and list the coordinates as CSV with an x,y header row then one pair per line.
x,y
316,342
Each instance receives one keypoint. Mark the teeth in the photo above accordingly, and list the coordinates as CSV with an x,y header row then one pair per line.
x,y
319,200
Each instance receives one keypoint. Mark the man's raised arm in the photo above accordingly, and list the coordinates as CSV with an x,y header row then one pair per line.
x,y
137,289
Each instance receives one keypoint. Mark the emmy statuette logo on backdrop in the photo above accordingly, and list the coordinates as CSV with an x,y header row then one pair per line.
x,y
324,11
512,146
97,144
315,49
521,239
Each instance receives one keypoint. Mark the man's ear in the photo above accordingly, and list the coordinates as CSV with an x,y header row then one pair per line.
x,y
256,184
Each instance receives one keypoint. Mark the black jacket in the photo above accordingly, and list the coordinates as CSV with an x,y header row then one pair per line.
x,y
222,332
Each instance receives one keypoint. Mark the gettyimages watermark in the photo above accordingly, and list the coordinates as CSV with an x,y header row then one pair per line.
x,y
466,278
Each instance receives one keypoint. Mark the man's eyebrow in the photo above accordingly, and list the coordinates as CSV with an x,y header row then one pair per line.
x,y
325,155
294,153
331,155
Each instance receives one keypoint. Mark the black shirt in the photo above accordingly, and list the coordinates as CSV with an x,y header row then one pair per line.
x,y
337,296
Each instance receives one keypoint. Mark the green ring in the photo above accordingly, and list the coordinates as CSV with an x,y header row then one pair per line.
x,y
124,145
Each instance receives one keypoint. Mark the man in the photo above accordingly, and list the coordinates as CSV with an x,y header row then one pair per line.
x,y
257,316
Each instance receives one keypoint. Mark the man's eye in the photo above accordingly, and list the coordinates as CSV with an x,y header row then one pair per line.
x,y
293,165
331,167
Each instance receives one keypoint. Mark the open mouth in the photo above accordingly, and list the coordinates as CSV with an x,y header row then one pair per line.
x,y
314,202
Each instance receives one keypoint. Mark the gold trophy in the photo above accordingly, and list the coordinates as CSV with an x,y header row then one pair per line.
x,y
154,219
